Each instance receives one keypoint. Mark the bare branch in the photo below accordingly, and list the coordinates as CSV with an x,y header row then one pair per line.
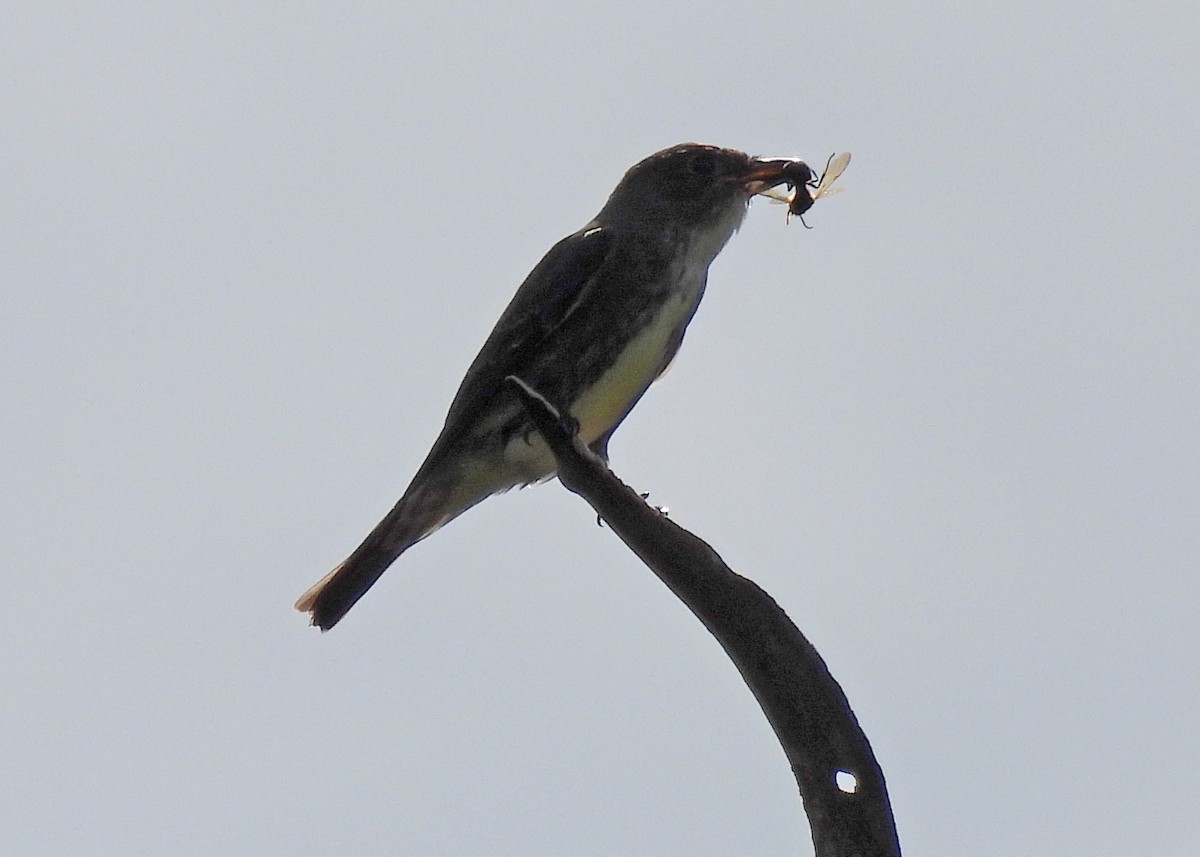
x,y
804,704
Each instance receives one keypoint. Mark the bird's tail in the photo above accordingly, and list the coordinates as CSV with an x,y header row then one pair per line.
x,y
412,519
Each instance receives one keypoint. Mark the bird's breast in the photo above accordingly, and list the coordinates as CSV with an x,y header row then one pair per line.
x,y
602,404
628,346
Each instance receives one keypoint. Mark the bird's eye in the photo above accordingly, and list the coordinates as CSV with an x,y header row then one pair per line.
x,y
703,164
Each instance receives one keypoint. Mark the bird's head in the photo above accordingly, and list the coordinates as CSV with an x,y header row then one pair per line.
x,y
696,186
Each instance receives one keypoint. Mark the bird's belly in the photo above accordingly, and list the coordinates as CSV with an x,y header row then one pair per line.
x,y
602,405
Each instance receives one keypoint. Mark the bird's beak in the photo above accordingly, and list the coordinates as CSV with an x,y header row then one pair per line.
x,y
766,173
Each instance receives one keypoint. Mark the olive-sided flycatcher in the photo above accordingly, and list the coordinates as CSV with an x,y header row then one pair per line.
x,y
592,326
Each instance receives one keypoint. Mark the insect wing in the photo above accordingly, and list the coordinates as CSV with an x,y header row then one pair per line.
x,y
833,171
775,195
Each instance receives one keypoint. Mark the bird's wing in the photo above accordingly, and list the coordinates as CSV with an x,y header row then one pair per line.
x,y
554,289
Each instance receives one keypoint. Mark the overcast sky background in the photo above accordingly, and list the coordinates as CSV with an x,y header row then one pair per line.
x,y
247,253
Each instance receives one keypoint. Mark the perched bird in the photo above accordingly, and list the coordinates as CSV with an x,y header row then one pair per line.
x,y
592,326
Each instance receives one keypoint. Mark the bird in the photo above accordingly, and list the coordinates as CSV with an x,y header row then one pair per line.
x,y
595,323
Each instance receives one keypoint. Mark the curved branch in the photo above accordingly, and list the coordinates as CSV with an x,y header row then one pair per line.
x,y
803,703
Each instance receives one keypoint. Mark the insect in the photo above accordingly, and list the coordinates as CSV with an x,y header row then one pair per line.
x,y
808,189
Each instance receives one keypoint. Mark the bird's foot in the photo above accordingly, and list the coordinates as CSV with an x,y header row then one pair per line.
x,y
665,511
662,510
568,423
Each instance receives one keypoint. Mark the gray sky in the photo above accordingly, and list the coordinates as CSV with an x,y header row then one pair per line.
x,y
247,254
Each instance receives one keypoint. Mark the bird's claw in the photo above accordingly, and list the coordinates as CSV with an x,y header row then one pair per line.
x,y
645,495
568,424
665,511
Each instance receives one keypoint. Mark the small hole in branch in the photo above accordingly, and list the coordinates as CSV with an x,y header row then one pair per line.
x,y
846,782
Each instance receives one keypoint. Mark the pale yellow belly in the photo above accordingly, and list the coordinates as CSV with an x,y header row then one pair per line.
x,y
635,369
600,406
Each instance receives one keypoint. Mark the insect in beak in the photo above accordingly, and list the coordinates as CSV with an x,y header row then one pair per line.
x,y
807,192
